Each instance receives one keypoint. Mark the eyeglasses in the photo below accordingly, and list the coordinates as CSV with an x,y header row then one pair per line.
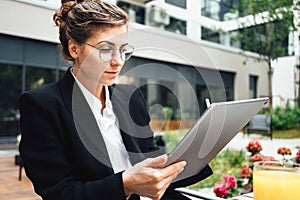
x,y
107,53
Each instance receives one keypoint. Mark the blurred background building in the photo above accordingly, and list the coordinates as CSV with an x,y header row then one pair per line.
x,y
180,46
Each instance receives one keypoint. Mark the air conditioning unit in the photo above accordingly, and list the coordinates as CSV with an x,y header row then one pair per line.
x,y
159,16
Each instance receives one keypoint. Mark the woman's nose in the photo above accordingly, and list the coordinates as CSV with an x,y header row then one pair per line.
x,y
117,59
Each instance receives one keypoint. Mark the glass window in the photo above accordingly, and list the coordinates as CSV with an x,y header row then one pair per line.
x,y
179,3
253,86
228,80
136,13
167,88
177,26
36,77
210,35
10,87
219,9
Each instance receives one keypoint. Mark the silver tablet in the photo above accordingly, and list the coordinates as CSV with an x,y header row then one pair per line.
x,y
215,128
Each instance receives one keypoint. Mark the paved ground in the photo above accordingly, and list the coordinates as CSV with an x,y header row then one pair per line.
x,y
269,146
10,187
13,189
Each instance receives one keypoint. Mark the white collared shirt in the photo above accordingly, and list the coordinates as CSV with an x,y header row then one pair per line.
x,y
108,126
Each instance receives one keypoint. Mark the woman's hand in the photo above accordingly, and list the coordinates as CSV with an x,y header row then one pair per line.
x,y
148,179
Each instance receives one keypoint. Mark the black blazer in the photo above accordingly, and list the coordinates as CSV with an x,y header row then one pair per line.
x,y
62,148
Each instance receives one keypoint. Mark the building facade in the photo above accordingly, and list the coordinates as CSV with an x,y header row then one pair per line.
x,y
173,65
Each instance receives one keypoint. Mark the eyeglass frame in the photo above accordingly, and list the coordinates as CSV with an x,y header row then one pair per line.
x,y
114,52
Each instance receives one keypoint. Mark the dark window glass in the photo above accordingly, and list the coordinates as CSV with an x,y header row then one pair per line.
x,y
253,86
136,13
10,87
179,3
219,9
177,26
210,35
228,80
168,89
215,93
36,77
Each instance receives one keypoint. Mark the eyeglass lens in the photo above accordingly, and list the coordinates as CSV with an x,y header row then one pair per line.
x,y
108,53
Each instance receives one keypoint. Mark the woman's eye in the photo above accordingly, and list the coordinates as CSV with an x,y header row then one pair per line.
x,y
106,50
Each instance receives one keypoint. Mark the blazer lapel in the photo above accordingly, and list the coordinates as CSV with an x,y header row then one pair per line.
x,y
83,118
66,84
120,103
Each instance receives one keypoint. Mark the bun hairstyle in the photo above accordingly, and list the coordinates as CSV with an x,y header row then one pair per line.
x,y
78,19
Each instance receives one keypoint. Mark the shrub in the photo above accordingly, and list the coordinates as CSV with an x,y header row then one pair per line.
x,y
286,118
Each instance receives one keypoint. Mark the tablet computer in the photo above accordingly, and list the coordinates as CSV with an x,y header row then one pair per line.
x,y
215,128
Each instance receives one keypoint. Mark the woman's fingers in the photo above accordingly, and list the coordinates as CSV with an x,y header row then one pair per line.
x,y
148,179
155,162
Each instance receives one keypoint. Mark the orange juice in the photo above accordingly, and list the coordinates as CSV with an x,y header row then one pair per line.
x,y
276,182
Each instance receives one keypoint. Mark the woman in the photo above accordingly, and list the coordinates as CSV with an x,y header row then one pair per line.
x,y
85,137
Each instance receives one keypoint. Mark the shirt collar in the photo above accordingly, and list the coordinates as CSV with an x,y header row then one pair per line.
x,y
94,102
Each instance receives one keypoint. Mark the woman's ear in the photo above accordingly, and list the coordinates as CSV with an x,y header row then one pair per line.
x,y
73,48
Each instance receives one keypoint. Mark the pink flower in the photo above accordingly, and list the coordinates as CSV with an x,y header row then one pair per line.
x,y
298,156
221,189
230,180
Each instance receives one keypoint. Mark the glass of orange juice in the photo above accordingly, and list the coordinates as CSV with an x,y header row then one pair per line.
x,y
276,180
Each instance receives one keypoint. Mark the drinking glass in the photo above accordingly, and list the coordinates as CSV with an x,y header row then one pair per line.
x,y
276,180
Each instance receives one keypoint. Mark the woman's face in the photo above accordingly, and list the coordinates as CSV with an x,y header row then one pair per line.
x,y
89,68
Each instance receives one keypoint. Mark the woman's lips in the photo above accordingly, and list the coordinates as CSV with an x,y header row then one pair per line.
x,y
111,72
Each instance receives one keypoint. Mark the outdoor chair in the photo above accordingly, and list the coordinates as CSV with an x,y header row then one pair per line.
x,y
261,124
19,162
18,158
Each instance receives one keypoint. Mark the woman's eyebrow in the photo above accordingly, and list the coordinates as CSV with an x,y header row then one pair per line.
x,y
105,41
125,44
111,43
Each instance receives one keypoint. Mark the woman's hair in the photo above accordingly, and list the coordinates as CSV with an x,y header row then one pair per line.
x,y
78,19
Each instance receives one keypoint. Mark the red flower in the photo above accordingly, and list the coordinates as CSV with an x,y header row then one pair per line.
x,y
298,156
254,146
284,151
230,180
245,172
256,158
221,189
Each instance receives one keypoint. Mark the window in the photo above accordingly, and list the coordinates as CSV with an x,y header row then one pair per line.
x,y
177,26
169,86
179,3
10,87
25,64
136,13
36,77
218,9
210,35
253,86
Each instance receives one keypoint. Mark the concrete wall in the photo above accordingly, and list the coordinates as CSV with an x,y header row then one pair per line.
x,y
284,81
25,20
